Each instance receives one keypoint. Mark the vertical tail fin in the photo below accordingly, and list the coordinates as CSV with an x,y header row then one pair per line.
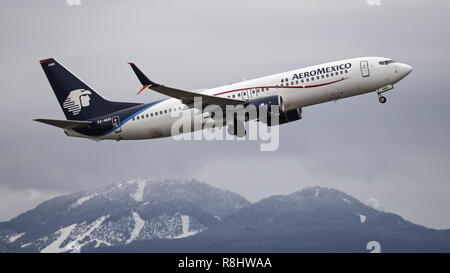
x,y
78,101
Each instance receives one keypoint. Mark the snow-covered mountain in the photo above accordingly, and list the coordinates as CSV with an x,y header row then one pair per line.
x,y
315,219
167,215
120,214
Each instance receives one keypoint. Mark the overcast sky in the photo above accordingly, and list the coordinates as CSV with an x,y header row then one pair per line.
x,y
397,153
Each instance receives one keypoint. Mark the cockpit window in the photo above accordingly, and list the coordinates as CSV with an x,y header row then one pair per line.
x,y
386,62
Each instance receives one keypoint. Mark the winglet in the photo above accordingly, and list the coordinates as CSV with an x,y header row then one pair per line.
x,y
143,88
146,82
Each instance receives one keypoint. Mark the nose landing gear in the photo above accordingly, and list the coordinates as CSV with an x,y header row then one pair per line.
x,y
380,91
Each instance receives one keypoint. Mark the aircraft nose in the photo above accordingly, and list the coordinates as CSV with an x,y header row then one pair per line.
x,y
404,70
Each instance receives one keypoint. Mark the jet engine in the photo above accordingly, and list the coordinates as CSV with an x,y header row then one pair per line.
x,y
284,116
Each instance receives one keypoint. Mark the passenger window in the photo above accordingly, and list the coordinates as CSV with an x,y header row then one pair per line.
x,y
160,112
146,116
323,76
307,79
332,74
317,77
133,118
137,117
239,94
342,72
296,82
170,110
346,71
142,117
287,84
233,96
151,114
165,111
312,78
328,75
156,113
286,79
303,81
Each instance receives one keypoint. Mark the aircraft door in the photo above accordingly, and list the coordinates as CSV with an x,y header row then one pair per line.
x,y
365,69
116,124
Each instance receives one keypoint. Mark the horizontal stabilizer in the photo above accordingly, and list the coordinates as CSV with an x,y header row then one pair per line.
x,y
65,124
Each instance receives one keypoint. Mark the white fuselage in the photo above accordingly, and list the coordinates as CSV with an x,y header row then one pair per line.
x,y
298,88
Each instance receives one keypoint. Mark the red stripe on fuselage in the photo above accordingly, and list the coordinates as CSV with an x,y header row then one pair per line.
x,y
309,86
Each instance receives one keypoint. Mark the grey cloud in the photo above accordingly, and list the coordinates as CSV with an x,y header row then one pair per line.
x,y
396,153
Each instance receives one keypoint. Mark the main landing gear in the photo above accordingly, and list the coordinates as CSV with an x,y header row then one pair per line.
x,y
382,99
238,129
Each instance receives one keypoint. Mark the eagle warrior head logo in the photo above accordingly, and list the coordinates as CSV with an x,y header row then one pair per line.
x,y
76,100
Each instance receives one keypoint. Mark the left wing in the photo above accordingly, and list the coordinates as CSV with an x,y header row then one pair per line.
x,y
186,97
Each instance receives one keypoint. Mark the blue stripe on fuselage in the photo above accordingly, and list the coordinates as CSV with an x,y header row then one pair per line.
x,y
123,113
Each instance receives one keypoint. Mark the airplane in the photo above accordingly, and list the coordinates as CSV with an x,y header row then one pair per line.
x,y
88,115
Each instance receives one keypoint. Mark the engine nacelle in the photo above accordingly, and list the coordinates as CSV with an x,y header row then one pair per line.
x,y
291,115
285,102
285,117
267,101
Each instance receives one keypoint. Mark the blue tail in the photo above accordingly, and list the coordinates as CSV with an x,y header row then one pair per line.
x,y
78,101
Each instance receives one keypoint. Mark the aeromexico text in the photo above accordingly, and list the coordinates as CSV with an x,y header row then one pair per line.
x,y
322,70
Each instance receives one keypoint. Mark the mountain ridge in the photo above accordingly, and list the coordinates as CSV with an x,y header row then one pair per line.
x,y
172,215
